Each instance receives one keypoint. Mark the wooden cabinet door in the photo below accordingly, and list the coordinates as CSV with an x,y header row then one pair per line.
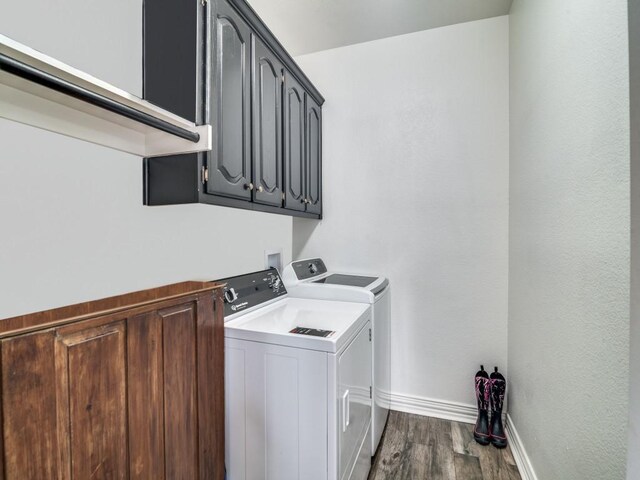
x,y
127,398
91,382
176,392
229,162
64,403
313,140
267,125
294,149
31,413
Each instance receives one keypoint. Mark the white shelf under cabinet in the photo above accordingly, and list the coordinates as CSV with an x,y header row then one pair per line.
x,y
31,92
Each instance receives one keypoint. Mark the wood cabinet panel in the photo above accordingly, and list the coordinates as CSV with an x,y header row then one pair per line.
x,y
30,424
210,347
146,396
313,142
132,394
180,418
267,125
294,153
230,162
93,362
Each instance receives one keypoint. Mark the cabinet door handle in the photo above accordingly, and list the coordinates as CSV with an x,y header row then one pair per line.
x,y
248,186
260,189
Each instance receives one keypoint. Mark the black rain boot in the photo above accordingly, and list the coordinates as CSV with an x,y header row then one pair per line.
x,y
498,387
483,386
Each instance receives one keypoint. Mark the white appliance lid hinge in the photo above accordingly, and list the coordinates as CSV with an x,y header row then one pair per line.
x,y
370,391
369,334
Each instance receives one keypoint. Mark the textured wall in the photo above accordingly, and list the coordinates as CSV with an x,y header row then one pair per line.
x,y
416,178
633,466
73,226
569,235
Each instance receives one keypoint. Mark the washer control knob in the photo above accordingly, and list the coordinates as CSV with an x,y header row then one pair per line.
x,y
230,295
313,268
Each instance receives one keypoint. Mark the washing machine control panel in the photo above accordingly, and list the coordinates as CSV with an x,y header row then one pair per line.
x,y
309,268
246,291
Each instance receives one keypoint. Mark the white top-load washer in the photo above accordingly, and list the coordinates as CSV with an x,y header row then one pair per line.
x,y
310,279
298,383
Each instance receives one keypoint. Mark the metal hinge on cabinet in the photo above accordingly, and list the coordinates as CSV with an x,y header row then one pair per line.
x,y
204,174
283,196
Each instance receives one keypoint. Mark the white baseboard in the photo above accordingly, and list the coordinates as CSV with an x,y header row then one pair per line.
x,y
429,407
519,453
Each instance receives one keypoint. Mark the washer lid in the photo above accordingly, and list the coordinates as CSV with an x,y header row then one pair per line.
x,y
273,322
350,280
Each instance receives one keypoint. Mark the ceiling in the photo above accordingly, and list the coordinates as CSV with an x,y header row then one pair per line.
x,y
306,26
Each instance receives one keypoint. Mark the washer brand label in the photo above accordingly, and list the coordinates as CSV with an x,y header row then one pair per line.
x,y
239,306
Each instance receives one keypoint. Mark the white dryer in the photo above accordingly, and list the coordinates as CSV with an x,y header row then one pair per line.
x,y
298,383
310,279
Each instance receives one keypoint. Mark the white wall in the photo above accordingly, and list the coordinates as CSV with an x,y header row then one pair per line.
x,y
569,235
633,465
416,188
73,227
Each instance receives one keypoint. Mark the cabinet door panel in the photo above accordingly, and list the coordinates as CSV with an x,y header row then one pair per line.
x,y
146,396
229,162
31,443
180,414
109,397
90,363
210,349
314,156
267,125
294,144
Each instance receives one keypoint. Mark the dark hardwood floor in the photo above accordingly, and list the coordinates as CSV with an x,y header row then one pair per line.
x,y
415,448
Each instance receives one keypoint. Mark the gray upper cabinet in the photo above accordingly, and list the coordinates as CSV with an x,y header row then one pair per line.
x,y
229,163
216,62
267,125
314,156
294,145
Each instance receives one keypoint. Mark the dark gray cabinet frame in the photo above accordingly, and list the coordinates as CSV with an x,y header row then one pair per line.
x,y
177,64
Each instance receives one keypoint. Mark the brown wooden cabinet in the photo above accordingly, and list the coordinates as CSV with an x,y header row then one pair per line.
x,y
128,387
